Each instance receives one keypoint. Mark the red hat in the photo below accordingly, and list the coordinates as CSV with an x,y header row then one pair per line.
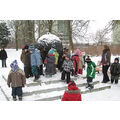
x,y
22,47
72,86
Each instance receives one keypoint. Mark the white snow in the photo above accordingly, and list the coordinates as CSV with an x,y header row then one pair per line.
x,y
105,95
48,38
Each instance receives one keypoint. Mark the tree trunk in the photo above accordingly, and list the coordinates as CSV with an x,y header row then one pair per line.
x,y
50,23
16,37
69,29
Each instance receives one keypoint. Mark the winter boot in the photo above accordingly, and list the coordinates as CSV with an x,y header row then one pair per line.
x,y
36,77
14,98
20,98
90,87
87,86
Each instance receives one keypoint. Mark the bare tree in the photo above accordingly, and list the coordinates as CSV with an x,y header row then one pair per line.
x,y
79,29
102,35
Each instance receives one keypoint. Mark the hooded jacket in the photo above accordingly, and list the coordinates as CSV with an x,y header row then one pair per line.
x,y
36,59
72,94
16,79
115,69
91,69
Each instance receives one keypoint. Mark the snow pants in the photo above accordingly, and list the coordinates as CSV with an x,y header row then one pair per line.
x,y
90,82
49,69
17,91
40,70
4,63
35,70
64,73
114,78
105,74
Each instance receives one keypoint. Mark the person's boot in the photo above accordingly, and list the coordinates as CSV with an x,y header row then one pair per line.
x,y
20,98
36,77
14,98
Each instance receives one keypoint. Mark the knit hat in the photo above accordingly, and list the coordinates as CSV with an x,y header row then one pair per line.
x,y
68,56
14,65
22,47
77,52
53,46
71,83
117,59
26,47
72,86
88,59
31,48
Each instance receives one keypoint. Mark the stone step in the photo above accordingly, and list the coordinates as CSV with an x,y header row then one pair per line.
x,y
7,98
54,89
38,83
47,82
82,92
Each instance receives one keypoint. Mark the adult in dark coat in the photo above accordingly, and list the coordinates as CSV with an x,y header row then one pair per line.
x,y
106,56
27,63
3,57
73,93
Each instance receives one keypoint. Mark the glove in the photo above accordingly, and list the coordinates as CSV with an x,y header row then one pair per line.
x,y
9,86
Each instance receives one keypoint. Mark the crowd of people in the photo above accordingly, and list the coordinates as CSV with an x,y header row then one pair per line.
x,y
68,64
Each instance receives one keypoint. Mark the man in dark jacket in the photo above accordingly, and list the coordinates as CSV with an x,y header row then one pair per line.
x,y
73,93
3,57
115,71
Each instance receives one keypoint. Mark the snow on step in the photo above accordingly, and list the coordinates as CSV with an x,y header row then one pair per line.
x,y
50,88
83,91
54,95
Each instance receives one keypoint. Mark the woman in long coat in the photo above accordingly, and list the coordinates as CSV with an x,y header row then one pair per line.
x,y
106,56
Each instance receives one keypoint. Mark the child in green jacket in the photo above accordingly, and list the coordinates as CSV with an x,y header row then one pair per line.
x,y
90,73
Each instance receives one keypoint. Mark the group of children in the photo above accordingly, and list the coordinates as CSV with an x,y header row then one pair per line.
x,y
70,65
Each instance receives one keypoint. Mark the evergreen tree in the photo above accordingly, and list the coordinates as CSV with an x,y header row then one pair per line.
x,y
4,35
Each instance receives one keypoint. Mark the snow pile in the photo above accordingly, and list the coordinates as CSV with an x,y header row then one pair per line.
x,y
49,38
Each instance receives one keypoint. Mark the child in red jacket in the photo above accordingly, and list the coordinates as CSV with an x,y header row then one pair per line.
x,y
73,93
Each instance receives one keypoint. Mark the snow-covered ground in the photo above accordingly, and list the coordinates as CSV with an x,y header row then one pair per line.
x,y
105,95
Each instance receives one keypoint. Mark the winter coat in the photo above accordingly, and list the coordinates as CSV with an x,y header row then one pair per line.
x,y
115,69
67,65
27,61
3,55
91,69
72,94
36,59
76,61
50,59
81,64
16,79
50,64
106,56
22,57
51,51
